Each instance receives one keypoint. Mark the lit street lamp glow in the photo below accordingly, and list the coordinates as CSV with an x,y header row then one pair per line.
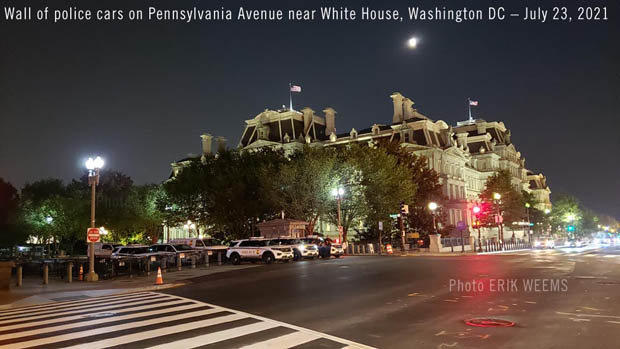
x,y
94,164
476,209
412,42
49,219
432,206
337,191
497,196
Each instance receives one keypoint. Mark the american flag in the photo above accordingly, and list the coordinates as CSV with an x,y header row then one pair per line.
x,y
295,88
474,103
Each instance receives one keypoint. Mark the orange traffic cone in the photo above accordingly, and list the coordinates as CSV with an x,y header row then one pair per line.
x,y
81,277
159,280
388,247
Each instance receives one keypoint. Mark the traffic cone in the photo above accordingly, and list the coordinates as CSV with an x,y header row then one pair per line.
x,y
159,280
81,277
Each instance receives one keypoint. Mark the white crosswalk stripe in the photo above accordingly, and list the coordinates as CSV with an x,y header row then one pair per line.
x,y
150,320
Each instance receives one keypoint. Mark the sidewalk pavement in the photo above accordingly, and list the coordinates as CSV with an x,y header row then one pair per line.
x,y
33,292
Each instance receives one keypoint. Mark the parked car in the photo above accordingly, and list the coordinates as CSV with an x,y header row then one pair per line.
x,y
207,244
103,249
301,249
175,250
258,249
130,251
326,247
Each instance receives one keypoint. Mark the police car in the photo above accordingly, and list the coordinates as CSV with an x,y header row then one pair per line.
x,y
301,249
258,249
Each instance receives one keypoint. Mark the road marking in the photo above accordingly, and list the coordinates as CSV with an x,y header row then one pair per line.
x,y
152,320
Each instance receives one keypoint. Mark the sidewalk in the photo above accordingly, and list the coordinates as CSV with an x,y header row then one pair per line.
x,y
33,292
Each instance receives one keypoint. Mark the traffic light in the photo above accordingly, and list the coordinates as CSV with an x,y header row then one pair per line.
x,y
570,228
404,209
476,210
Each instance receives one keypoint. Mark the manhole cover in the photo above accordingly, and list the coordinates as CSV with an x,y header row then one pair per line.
x,y
489,322
100,315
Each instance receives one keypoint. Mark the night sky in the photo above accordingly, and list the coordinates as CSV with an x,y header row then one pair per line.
x,y
140,94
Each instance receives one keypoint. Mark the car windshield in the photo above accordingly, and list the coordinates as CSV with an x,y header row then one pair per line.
x,y
182,247
211,242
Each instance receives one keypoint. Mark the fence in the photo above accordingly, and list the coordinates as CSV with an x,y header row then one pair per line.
x,y
495,245
68,269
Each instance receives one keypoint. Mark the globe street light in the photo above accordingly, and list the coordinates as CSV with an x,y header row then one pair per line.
x,y
338,192
432,206
476,210
412,42
527,212
93,166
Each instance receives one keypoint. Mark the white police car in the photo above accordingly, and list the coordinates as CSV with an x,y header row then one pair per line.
x,y
258,249
301,249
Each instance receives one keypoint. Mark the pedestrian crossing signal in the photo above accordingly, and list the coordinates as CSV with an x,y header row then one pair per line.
x,y
404,209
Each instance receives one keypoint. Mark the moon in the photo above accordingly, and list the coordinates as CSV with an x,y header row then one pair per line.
x,y
412,42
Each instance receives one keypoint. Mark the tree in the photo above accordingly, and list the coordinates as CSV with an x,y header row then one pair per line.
x,y
55,213
302,186
386,183
428,188
224,193
11,232
566,212
510,206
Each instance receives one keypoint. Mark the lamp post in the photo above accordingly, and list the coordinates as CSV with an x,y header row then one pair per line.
x,y
189,226
476,210
337,193
93,166
432,206
527,212
500,233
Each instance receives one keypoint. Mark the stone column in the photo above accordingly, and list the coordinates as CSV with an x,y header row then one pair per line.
x,y
408,108
330,121
435,245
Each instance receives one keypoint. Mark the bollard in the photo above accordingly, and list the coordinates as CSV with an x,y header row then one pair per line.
x,y
206,259
148,266
164,265
193,262
70,272
45,273
219,258
19,275
179,266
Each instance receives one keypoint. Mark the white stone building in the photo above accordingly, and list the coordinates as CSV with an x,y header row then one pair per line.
x,y
464,155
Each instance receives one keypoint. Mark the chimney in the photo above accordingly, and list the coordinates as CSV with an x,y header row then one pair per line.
x,y
221,143
408,106
207,139
330,121
461,139
398,108
308,113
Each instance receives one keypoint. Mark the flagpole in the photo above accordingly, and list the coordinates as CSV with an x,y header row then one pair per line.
x,y
290,96
469,105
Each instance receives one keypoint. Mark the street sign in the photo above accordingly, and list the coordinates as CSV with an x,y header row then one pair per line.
x,y
461,225
92,235
394,215
380,225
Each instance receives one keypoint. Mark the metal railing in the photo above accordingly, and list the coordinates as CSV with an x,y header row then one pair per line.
x,y
75,268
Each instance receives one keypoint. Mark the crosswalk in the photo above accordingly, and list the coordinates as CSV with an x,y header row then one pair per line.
x,y
151,320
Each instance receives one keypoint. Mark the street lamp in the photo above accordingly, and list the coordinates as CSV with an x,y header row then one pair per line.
x,y
498,218
338,192
476,210
527,212
433,207
93,166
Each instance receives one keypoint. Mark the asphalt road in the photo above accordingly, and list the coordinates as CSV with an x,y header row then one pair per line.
x,y
562,298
